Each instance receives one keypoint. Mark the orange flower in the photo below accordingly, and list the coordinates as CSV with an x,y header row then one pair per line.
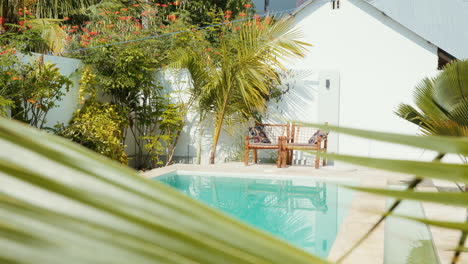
x,y
172,17
228,12
124,9
209,49
162,26
227,16
102,40
117,12
109,26
20,13
66,18
242,14
176,3
123,18
38,106
257,17
236,28
164,5
74,26
93,33
247,5
73,30
136,5
87,22
102,14
31,101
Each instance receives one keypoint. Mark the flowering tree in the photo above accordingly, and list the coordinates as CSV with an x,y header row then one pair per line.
x,y
123,68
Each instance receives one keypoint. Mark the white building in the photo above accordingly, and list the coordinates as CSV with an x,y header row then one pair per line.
x,y
362,65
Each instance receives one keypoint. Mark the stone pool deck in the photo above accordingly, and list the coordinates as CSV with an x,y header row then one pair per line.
x,y
363,211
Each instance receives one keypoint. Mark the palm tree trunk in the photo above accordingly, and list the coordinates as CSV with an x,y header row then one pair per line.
x,y
217,132
219,125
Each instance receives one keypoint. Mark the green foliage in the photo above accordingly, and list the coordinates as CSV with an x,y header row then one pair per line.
x,y
40,88
442,102
9,77
31,89
98,126
434,170
164,140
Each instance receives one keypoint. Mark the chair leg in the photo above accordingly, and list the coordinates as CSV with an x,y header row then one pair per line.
x,y
255,156
317,159
284,159
246,157
290,157
279,162
325,146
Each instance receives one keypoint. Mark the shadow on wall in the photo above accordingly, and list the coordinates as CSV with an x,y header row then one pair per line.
x,y
299,102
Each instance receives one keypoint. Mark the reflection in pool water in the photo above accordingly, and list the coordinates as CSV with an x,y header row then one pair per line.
x,y
305,213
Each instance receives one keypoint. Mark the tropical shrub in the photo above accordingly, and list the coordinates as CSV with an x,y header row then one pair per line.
x,y
30,89
98,126
9,77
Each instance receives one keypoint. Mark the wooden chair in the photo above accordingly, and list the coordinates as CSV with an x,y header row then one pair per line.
x,y
272,132
303,138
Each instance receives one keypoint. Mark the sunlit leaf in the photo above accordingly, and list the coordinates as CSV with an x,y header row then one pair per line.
x,y
60,201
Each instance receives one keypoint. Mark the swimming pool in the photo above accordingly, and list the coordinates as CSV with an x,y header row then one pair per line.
x,y
305,212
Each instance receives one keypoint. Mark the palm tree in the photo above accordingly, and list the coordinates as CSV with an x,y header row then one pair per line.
x,y
234,79
442,102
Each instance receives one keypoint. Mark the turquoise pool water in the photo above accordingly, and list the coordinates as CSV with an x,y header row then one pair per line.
x,y
306,213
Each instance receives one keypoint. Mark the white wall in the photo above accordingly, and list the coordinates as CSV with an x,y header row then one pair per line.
x,y
379,63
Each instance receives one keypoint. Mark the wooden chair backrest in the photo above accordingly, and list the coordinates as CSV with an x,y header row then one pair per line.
x,y
273,131
301,134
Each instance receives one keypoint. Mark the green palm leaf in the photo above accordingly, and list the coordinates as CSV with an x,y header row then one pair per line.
x,y
455,199
444,224
60,201
436,170
441,144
